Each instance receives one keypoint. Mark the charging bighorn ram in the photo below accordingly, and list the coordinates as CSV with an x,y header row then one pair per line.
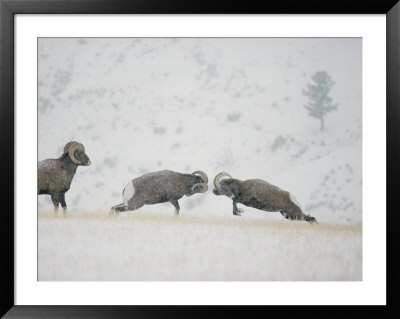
x,y
55,175
160,187
259,194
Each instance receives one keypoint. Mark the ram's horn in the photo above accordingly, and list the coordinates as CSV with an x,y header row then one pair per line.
x,y
67,146
218,178
204,187
203,175
75,147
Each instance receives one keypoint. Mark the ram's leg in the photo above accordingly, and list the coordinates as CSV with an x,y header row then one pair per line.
x,y
311,219
54,199
286,214
135,203
237,211
295,213
118,208
63,204
176,205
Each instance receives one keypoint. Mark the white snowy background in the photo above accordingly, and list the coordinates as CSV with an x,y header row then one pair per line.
x,y
213,104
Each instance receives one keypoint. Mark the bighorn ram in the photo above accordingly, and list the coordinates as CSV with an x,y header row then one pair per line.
x,y
259,194
55,175
160,187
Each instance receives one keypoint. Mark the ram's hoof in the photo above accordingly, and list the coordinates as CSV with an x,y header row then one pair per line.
x,y
238,212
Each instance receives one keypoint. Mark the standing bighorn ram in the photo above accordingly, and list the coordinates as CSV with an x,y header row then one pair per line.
x,y
160,187
55,175
259,194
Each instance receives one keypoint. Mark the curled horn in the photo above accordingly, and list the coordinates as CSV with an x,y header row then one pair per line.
x,y
217,179
204,187
202,174
67,146
75,146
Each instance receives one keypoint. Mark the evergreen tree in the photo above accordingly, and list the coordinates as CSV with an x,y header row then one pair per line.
x,y
320,103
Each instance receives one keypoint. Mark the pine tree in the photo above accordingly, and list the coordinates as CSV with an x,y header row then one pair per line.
x,y
320,103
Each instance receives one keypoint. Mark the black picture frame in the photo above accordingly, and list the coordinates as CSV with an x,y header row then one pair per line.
x,y
8,8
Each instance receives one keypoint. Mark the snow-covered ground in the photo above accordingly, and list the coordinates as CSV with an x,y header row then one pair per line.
x,y
159,247
186,104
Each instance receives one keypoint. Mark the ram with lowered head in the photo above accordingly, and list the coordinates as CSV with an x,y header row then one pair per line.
x,y
259,194
55,175
161,187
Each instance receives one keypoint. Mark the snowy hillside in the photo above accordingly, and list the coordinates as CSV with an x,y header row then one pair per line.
x,y
233,105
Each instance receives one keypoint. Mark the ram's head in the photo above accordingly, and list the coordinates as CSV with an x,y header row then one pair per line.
x,y
224,185
198,184
76,152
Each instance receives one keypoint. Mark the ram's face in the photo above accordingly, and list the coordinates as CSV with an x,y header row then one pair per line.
x,y
226,187
82,158
198,183
76,152
198,186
